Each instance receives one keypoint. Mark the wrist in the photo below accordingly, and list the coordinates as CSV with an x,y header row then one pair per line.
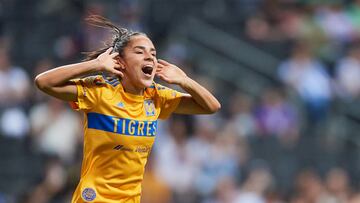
x,y
184,81
96,65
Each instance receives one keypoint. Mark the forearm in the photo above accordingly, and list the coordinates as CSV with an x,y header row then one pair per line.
x,y
61,75
200,95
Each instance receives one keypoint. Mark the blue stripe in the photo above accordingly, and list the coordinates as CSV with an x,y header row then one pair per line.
x,y
121,125
113,83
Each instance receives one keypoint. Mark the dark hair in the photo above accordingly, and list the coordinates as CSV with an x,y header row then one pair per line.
x,y
120,39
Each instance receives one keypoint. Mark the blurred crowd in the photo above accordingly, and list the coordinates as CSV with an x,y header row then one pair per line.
x,y
276,147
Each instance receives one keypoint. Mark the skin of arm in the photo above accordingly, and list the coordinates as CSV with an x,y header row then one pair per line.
x,y
56,82
199,100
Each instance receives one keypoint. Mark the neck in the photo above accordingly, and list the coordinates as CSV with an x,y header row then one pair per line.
x,y
131,88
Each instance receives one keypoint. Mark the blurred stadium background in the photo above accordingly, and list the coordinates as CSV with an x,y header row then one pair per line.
x,y
287,73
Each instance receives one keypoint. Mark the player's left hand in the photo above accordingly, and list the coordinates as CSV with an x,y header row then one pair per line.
x,y
170,73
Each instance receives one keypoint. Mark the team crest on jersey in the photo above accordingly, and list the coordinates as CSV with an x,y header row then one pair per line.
x,y
88,194
149,107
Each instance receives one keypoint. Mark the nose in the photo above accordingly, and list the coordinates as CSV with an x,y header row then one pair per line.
x,y
149,57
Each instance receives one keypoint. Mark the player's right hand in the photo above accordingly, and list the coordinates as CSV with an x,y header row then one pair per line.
x,y
108,62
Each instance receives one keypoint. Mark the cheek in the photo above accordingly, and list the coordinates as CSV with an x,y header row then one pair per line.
x,y
156,66
133,72
130,64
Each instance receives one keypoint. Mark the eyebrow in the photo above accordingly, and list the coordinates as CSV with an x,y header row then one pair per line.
x,y
143,48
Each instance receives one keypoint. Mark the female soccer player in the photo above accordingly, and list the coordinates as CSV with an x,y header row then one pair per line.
x,y
121,113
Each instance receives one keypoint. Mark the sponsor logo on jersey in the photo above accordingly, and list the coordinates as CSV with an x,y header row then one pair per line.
x,y
122,148
143,149
138,149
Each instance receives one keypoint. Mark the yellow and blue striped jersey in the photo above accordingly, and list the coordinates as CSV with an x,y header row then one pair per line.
x,y
119,132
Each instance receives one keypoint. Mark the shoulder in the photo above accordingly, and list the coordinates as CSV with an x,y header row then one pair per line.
x,y
111,81
92,81
160,87
156,89
99,81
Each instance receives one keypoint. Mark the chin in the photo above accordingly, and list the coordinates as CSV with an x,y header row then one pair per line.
x,y
147,83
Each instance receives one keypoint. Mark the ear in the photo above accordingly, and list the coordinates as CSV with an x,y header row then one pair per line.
x,y
121,61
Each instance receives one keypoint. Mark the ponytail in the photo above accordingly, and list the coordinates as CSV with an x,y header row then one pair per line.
x,y
121,36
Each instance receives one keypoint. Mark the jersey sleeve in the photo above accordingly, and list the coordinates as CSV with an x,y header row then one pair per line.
x,y
88,92
169,100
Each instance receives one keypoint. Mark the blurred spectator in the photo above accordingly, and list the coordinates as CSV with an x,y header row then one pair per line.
x,y
14,82
257,28
275,116
55,129
354,15
241,117
330,14
253,189
292,20
219,155
348,74
309,188
338,186
204,138
53,183
154,189
14,86
14,123
176,156
355,198
326,16
226,191
309,78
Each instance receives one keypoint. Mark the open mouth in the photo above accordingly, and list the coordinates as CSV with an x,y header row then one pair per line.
x,y
147,70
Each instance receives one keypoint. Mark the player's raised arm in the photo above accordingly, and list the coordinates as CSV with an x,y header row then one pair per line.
x,y
56,82
199,100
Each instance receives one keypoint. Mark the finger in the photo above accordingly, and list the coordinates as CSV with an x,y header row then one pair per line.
x,y
161,76
118,73
166,79
117,66
113,55
160,65
120,66
118,69
163,62
116,62
109,50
